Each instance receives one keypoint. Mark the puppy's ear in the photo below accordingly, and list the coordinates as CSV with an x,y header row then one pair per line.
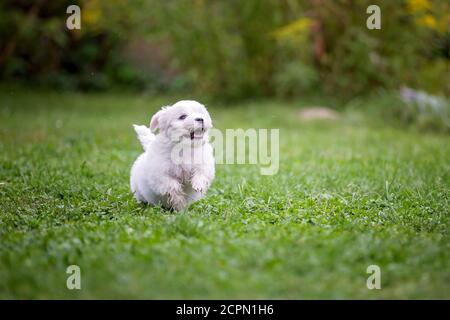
x,y
155,123
208,122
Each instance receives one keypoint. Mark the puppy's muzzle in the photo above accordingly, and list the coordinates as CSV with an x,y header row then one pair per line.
x,y
197,133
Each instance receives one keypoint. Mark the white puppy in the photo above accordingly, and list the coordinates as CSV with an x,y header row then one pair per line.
x,y
177,166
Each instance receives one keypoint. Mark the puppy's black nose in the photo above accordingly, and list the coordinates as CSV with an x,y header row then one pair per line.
x,y
199,119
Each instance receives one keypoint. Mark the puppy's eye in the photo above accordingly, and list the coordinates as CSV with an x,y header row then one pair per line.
x,y
182,117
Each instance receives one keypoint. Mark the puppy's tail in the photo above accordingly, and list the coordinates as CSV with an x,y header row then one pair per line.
x,y
144,135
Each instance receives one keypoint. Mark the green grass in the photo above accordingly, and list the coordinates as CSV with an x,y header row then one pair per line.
x,y
348,194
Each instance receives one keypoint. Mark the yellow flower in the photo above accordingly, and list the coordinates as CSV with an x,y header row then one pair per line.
x,y
291,30
91,13
428,21
418,5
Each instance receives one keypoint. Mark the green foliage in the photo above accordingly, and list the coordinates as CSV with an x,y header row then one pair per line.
x,y
229,49
296,78
349,194
224,46
37,48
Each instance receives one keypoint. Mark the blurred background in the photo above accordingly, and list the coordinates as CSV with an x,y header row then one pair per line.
x,y
369,183
232,50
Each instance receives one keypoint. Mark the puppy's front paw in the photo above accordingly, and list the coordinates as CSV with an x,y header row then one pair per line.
x,y
200,184
177,201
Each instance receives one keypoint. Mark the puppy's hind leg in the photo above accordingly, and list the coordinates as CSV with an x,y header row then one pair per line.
x,y
139,197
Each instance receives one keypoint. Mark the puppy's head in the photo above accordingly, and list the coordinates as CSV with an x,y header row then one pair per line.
x,y
185,121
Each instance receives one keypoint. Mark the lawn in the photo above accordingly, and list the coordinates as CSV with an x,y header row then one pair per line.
x,y
349,193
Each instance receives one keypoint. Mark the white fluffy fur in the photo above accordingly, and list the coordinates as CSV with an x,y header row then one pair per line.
x,y
155,177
